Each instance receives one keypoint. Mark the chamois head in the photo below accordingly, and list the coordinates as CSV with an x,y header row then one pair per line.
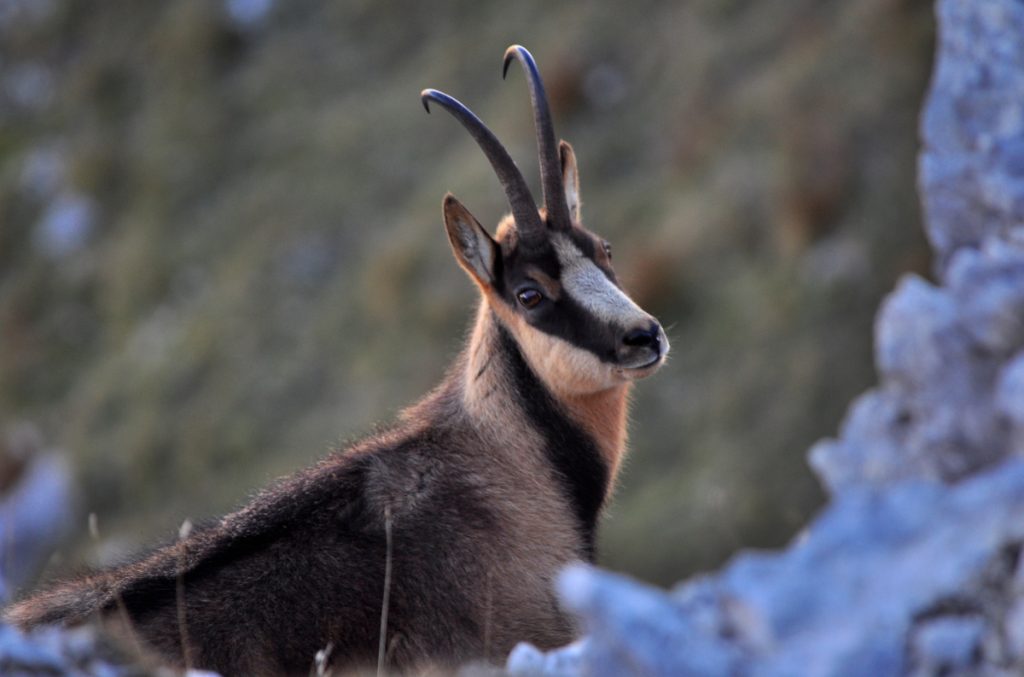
x,y
548,279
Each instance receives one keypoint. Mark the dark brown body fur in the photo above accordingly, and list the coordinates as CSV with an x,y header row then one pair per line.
x,y
487,487
481,521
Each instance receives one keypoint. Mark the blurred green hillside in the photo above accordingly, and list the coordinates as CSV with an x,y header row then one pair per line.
x,y
221,249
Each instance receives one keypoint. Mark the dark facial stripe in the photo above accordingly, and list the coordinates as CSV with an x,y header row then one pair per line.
x,y
575,459
566,319
562,317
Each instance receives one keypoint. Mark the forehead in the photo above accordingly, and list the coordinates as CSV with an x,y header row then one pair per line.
x,y
561,250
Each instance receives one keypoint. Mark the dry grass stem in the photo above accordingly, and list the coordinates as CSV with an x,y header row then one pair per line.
x,y
186,653
387,594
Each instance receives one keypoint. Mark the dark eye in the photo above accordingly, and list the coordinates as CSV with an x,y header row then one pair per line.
x,y
607,250
529,298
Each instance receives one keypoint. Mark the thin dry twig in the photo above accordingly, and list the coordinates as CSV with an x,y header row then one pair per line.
x,y
322,660
186,651
122,608
387,594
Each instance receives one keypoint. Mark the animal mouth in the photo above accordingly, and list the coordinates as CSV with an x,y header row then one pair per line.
x,y
644,368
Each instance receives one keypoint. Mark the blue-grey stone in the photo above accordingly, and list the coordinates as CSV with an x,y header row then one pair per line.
x,y
948,643
1010,392
988,287
526,660
916,333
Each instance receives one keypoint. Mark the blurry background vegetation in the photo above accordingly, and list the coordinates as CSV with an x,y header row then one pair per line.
x,y
221,250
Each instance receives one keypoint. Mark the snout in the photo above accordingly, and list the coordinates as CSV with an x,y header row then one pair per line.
x,y
642,347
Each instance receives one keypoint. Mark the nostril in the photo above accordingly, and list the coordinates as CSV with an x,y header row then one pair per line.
x,y
642,338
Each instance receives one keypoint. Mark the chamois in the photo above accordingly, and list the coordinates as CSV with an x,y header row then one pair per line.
x,y
473,499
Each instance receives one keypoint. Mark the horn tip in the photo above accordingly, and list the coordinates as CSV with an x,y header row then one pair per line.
x,y
425,96
513,52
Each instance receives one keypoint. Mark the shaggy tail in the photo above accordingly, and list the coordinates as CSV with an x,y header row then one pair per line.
x,y
66,604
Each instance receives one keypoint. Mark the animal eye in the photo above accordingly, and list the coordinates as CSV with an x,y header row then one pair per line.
x,y
529,298
607,250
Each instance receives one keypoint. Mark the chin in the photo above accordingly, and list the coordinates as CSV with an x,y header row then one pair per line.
x,y
637,373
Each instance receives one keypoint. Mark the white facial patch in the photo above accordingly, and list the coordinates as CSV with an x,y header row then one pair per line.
x,y
590,287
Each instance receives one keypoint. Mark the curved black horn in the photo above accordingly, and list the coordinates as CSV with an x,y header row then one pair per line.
x,y
524,209
547,148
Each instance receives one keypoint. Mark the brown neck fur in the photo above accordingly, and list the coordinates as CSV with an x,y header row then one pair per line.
x,y
603,415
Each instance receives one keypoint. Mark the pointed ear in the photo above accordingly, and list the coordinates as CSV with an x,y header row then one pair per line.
x,y
474,248
570,179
